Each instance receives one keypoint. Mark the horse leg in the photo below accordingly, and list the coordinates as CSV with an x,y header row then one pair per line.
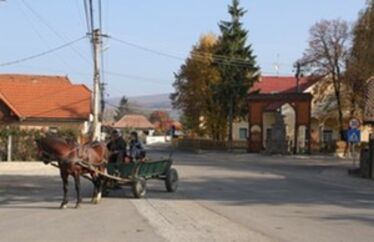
x,y
78,189
94,193
99,189
65,189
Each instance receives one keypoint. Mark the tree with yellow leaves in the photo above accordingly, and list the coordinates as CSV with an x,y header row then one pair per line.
x,y
194,91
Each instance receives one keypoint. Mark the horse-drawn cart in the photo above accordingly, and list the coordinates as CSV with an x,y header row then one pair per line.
x,y
89,161
137,174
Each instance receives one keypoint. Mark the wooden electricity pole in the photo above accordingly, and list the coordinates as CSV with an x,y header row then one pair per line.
x,y
96,47
96,42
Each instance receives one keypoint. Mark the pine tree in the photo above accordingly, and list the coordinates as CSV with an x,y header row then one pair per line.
x,y
122,109
237,66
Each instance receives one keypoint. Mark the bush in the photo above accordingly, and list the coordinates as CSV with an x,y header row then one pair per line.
x,y
23,142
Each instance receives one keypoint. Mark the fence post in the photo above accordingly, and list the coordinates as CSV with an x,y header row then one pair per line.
x,y
9,150
371,158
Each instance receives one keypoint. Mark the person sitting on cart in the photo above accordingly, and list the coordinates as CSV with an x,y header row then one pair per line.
x,y
117,148
136,152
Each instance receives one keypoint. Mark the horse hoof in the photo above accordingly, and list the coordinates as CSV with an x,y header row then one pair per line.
x,y
63,206
95,201
77,205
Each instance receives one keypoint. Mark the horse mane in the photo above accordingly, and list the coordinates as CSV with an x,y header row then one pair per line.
x,y
64,140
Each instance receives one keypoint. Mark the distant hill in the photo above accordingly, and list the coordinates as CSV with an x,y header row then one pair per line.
x,y
147,104
159,101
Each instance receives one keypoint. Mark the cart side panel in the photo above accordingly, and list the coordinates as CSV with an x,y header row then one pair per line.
x,y
111,168
124,170
154,169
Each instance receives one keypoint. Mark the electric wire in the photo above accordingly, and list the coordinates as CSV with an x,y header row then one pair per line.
x,y
24,59
46,23
37,32
77,7
218,59
86,11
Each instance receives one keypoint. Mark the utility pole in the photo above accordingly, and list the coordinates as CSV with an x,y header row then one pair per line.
x,y
96,126
96,42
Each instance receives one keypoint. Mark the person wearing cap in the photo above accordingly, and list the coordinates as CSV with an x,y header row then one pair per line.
x,y
117,147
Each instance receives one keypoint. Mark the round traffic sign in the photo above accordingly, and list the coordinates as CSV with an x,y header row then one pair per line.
x,y
354,123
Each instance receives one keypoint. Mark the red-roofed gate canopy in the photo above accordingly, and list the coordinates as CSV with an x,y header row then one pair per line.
x,y
268,95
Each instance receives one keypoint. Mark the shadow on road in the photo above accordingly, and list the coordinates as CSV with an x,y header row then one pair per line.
x,y
18,191
363,218
250,180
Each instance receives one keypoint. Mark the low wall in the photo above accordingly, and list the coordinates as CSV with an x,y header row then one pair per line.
x,y
156,139
206,144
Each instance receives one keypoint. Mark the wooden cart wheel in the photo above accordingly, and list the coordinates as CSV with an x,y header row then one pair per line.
x,y
139,187
171,181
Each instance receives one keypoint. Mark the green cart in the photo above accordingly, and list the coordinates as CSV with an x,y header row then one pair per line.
x,y
137,174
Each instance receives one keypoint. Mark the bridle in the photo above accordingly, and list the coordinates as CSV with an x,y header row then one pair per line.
x,y
48,157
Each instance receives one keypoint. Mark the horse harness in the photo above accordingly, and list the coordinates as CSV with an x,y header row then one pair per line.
x,y
48,156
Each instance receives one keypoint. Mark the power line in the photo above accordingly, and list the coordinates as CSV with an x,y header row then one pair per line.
x,y
102,84
79,12
140,78
147,49
218,59
143,79
30,20
91,14
46,23
86,11
100,16
41,54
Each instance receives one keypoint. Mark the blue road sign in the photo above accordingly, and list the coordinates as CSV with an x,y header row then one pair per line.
x,y
354,136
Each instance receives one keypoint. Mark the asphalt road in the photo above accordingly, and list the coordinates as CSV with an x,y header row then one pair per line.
x,y
222,197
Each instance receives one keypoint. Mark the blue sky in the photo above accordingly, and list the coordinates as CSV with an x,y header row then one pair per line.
x,y
278,32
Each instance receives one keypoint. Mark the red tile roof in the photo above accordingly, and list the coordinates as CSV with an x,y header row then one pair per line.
x,y
34,79
134,121
40,97
280,84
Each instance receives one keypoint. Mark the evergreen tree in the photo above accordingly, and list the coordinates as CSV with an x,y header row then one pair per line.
x,y
236,64
122,109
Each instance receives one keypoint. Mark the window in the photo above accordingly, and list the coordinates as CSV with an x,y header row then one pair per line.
x,y
243,133
327,136
268,134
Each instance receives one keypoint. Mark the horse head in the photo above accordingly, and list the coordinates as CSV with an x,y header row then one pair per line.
x,y
43,154
54,149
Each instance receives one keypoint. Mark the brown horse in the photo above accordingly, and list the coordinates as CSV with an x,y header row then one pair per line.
x,y
68,154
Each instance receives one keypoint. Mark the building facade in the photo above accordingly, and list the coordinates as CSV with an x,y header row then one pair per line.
x,y
37,102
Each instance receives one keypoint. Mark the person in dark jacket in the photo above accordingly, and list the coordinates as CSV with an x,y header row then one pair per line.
x,y
137,151
117,148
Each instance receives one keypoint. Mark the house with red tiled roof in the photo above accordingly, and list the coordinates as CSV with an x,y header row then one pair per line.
x,y
36,101
135,122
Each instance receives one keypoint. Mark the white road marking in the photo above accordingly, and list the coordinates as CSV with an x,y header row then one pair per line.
x,y
182,220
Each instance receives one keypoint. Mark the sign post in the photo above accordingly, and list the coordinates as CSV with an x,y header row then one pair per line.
x,y
354,137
